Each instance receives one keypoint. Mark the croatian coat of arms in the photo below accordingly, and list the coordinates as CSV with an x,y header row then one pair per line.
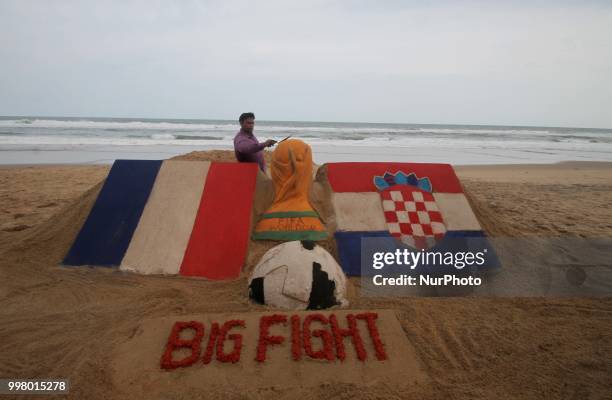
x,y
410,209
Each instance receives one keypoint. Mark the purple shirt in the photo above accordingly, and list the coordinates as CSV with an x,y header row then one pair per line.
x,y
248,149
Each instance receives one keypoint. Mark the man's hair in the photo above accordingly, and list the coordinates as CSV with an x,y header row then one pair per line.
x,y
246,115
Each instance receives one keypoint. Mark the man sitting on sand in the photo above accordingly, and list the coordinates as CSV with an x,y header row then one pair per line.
x,y
246,146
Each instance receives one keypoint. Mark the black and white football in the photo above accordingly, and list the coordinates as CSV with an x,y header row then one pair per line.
x,y
298,276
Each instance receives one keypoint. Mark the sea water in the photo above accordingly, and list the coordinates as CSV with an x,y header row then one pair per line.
x,y
25,140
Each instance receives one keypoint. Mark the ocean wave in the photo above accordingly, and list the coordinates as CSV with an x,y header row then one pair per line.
x,y
136,126
408,147
185,131
351,138
163,136
193,137
169,136
311,128
116,125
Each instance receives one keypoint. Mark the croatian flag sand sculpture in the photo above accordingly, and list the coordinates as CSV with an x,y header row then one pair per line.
x,y
170,217
421,205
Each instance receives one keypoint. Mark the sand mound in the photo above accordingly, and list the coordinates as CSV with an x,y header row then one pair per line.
x,y
50,241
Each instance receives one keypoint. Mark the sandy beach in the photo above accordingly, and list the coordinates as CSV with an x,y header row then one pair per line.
x,y
61,322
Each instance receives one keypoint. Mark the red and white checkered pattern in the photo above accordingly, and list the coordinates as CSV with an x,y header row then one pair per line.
x,y
412,216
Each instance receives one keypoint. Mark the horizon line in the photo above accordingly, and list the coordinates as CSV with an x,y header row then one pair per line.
x,y
308,121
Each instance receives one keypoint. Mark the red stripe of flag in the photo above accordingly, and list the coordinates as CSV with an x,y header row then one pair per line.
x,y
219,239
359,176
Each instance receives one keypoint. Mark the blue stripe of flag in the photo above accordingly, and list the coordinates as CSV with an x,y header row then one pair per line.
x,y
107,232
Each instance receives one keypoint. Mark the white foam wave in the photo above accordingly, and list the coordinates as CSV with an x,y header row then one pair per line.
x,y
409,145
163,136
114,125
170,130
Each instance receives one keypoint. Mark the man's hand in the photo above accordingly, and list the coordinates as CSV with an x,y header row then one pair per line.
x,y
270,143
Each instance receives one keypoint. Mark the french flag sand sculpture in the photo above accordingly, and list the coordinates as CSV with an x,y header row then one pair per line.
x,y
291,216
421,205
170,217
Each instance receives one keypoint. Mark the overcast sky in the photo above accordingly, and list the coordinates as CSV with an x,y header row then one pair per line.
x,y
490,62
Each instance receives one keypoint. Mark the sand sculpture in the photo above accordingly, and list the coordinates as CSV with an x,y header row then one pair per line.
x,y
291,216
421,205
298,276
170,217
194,217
